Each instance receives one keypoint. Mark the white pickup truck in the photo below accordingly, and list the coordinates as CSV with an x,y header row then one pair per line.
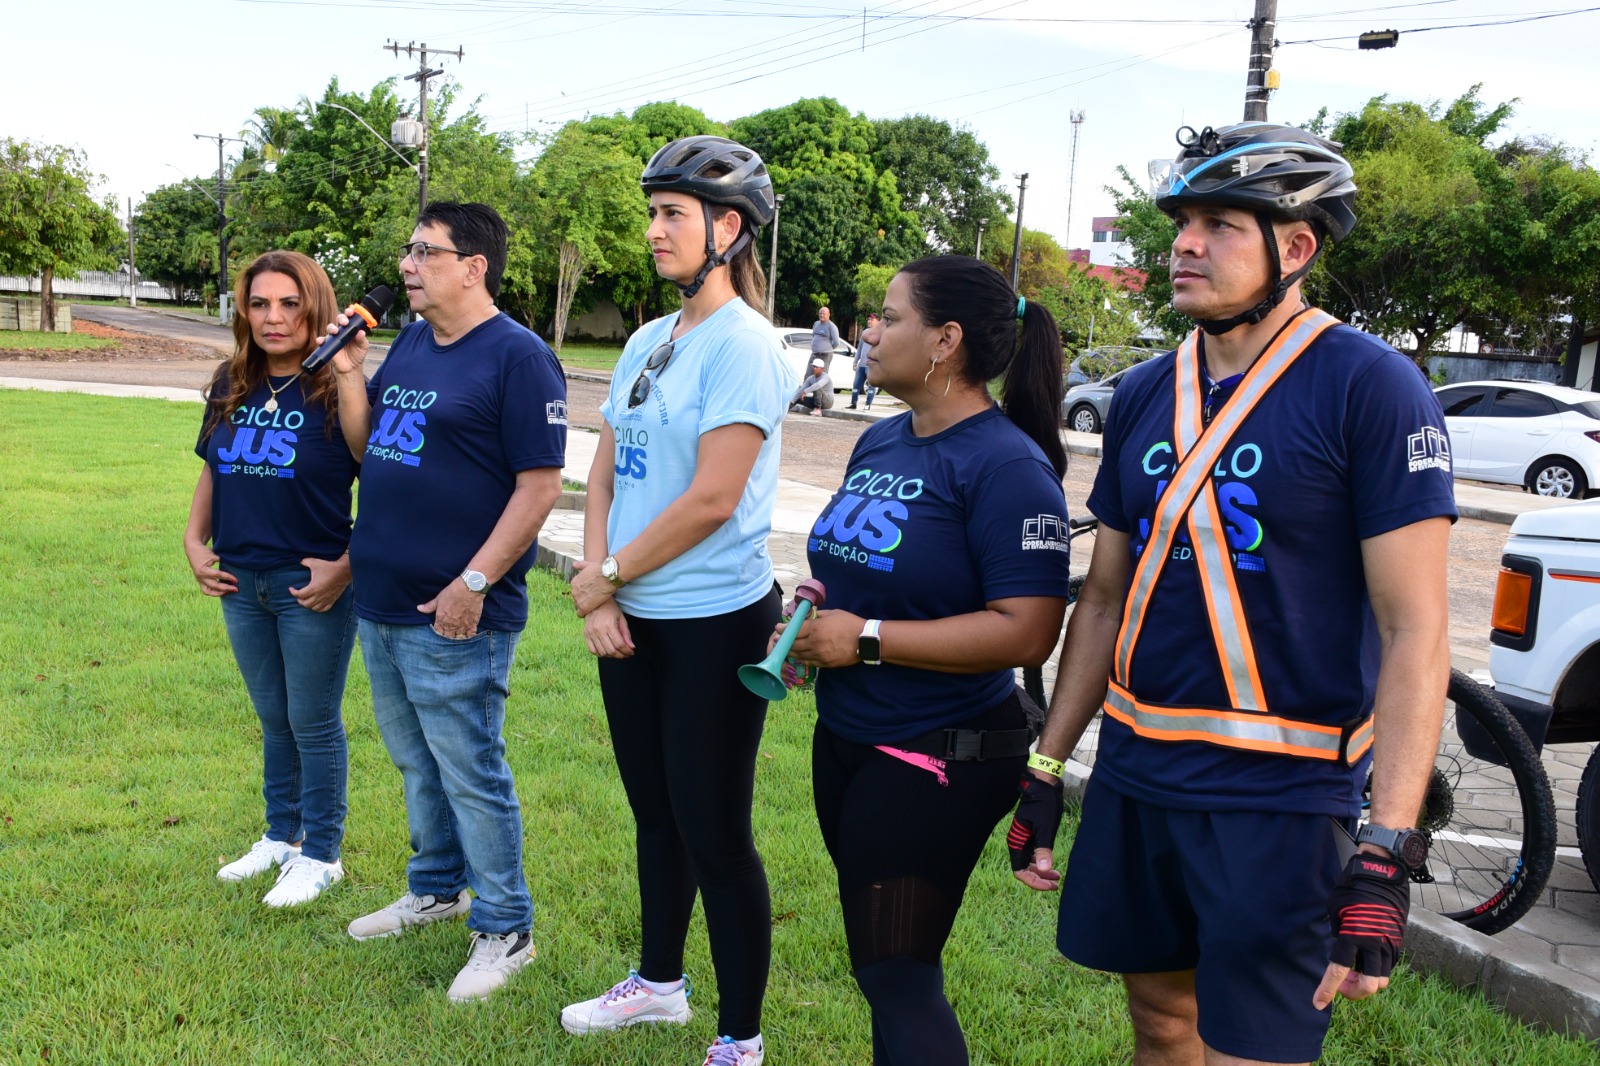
x,y
1545,642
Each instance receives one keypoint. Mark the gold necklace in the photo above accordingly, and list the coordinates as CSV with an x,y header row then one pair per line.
x,y
272,401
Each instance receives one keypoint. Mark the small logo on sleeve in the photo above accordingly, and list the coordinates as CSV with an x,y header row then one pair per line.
x,y
555,412
1047,532
1428,450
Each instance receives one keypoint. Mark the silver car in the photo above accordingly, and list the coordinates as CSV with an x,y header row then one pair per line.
x,y
1084,407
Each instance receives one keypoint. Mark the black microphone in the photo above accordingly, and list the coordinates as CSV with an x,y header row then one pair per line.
x,y
363,316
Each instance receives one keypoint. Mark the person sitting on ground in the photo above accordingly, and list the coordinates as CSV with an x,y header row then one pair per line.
x,y
815,394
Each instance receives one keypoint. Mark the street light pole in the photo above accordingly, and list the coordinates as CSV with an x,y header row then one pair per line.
x,y
772,271
222,226
1016,241
977,253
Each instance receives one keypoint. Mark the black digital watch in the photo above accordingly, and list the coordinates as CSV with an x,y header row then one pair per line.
x,y
1409,847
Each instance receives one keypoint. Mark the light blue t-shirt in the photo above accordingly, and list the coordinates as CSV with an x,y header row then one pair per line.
x,y
726,370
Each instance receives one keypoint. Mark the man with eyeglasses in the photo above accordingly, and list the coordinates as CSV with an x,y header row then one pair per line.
x,y
461,435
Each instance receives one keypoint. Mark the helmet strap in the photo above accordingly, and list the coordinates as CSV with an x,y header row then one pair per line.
x,y
1280,284
714,258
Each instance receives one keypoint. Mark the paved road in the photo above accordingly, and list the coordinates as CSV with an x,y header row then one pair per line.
x,y
174,325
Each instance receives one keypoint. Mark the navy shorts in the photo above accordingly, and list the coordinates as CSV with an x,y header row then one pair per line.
x,y
1240,897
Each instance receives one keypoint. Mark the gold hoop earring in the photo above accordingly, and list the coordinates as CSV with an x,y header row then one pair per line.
x,y
931,367
948,379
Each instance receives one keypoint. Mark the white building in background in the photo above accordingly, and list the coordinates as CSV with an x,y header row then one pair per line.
x,y
1107,247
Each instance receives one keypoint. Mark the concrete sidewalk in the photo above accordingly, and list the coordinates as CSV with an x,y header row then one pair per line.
x,y
1545,970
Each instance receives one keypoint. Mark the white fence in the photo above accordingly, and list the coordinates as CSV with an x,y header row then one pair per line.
x,y
90,283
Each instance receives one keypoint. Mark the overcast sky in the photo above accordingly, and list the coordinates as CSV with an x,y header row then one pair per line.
x,y
130,83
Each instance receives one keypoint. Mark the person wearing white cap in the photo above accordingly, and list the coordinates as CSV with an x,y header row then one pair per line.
x,y
815,394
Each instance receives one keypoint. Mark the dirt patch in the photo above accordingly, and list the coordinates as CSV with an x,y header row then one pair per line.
x,y
133,347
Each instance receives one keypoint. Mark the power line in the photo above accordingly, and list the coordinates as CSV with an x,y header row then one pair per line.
x,y
1460,25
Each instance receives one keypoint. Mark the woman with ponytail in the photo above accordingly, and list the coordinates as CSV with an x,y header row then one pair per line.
x,y
944,553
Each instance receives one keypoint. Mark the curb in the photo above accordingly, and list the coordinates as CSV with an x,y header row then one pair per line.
x,y
1531,988
1485,514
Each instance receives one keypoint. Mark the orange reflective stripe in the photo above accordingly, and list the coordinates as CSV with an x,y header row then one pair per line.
x,y
1243,730
1229,630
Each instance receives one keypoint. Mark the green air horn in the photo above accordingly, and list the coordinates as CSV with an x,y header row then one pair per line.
x,y
765,678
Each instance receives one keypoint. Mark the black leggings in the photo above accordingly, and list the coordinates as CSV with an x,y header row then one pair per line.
x,y
685,732
904,846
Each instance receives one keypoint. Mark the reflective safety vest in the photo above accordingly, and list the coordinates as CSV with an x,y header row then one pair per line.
x,y
1190,503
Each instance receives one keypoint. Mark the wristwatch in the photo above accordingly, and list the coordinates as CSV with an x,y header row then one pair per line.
x,y
869,649
475,582
609,571
1408,846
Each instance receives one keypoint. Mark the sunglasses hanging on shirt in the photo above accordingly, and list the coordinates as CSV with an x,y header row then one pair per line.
x,y
657,363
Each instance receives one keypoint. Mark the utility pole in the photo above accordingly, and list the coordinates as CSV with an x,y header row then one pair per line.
x,y
222,226
1016,240
421,78
977,252
1262,30
133,272
1072,172
772,271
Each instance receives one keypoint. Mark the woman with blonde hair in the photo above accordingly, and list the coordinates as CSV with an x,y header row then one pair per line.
x,y
268,533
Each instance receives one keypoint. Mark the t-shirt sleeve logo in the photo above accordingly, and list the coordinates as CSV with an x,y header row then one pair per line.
x,y
1427,449
555,412
1046,532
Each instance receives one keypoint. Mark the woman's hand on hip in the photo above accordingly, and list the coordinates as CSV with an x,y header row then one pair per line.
x,y
605,630
828,638
206,566
329,578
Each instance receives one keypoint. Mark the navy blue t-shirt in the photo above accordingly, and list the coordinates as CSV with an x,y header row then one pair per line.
x,y
932,527
452,426
1349,444
280,482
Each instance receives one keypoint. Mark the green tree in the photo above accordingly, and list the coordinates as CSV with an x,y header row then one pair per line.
x,y
839,209
587,209
944,177
50,223
176,230
872,284
1453,230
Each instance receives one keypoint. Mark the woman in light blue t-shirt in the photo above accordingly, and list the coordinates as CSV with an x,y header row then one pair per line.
x,y
676,590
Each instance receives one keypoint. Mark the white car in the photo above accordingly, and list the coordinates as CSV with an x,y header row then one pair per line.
x,y
1543,437
796,343
1544,648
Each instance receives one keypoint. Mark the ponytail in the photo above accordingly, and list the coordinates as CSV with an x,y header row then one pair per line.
x,y
973,294
744,271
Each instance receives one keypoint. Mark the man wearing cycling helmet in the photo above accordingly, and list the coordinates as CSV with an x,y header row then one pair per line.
x,y
680,506
1267,597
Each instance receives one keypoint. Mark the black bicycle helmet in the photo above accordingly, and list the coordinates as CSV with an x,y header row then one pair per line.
x,y
714,170
1279,173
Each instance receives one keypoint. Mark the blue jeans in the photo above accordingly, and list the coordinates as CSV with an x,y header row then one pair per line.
x,y
861,385
294,663
441,707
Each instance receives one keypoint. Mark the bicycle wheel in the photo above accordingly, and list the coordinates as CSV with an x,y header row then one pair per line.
x,y
1489,817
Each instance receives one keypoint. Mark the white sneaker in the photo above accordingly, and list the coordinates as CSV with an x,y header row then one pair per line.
x,y
628,1003
406,912
725,1052
303,879
263,855
494,958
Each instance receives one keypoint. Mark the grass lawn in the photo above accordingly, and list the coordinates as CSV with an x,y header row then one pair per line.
x,y
590,356
29,340
130,768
